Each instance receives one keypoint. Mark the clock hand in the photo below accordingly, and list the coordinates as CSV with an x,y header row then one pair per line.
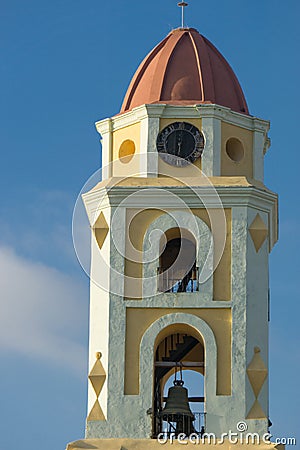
x,y
180,143
179,147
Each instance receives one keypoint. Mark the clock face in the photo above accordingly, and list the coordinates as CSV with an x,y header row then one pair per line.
x,y
180,144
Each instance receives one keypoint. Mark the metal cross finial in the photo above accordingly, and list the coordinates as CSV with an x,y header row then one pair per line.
x,y
182,5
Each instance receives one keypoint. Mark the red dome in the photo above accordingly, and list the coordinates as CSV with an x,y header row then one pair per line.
x,y
185,69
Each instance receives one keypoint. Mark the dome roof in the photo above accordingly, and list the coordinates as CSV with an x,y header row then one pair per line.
x,y
185,69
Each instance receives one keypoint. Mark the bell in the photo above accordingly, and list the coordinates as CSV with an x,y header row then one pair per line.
x,y
177,410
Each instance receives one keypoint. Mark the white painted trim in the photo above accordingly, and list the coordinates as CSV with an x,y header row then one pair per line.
x,y
149,158
259,140
191,111
211,158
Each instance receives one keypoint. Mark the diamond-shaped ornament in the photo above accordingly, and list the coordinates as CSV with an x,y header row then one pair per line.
x,y
101,229
97,375
256,412
258,232
96,413
257,372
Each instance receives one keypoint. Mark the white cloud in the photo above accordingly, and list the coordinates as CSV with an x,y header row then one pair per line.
x,y
43,311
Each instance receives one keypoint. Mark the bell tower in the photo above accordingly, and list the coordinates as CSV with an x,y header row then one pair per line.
x,y
182,226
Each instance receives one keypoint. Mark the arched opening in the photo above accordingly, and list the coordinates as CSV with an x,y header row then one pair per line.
x,y
177,270
179,356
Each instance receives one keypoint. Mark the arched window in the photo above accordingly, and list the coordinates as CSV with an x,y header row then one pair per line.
x,y
178,352
177,270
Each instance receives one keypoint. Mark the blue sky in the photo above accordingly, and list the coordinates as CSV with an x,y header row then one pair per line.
x,y
64,65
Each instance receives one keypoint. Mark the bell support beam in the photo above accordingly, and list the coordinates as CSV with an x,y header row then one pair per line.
x,y
176,364
191,399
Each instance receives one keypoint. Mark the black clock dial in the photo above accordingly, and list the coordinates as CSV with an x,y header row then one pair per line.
x,y
180,143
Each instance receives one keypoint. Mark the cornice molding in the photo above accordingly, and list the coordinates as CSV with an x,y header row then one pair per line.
x,y
192,111
230,196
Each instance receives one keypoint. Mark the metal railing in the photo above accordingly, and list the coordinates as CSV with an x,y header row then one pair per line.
x,y
173,424
167,282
